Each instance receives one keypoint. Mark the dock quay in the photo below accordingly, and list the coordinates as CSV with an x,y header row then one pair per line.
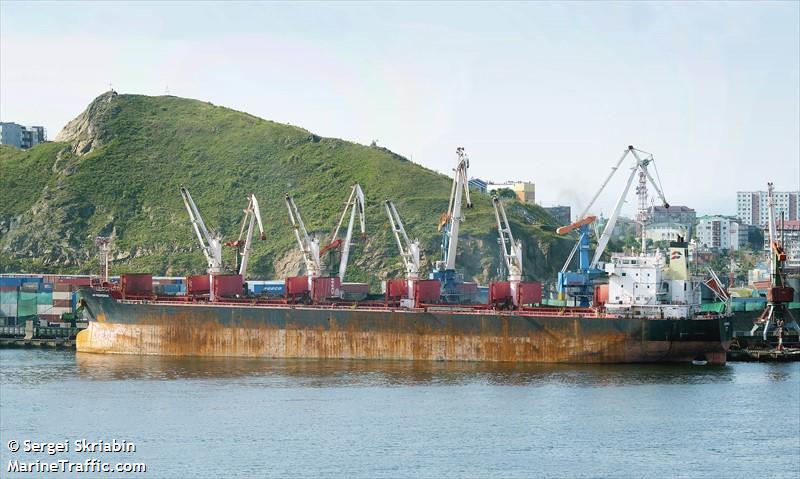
x,y
29,336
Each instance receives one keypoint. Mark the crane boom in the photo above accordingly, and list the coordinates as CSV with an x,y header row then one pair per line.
x,y
252,216
512,250
355,203
409,250
210,243
451,220
309,246
641,165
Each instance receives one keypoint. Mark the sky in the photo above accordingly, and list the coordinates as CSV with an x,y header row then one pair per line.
x,y
545,92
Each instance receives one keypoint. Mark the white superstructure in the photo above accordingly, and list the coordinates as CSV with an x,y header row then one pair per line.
x,y
653,285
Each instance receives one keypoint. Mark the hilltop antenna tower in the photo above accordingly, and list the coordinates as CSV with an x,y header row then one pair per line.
x,y
104,242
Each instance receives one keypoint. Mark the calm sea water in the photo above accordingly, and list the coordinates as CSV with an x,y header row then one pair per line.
x,y
382,419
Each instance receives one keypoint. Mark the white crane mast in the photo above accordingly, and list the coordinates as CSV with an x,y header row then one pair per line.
x,y
409,250
453,218
355,203
511,250
309,246
640,166
210,243
252,216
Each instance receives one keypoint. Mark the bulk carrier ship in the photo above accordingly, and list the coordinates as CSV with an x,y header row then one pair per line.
x,y
649,311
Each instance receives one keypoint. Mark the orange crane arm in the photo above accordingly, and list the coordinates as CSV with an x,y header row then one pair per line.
x,y
566,229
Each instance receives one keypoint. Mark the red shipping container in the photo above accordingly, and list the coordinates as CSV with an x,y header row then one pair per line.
x,y
783,294
396,288
530,292
427,290
296,286
197,284
499,292
326,288
228,285
600,294
137,284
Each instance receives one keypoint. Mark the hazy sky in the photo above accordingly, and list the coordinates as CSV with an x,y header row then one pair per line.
x,y
547,92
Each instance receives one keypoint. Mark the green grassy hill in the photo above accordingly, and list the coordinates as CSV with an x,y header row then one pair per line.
x,y
116,170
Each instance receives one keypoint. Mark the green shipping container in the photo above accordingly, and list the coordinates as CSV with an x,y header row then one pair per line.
x,y
794,306
8,297
738,306
26,305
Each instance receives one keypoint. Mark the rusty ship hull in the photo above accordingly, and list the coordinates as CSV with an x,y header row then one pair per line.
x,y
288,331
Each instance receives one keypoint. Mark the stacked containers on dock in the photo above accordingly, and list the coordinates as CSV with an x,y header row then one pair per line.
x,y
9,293
62,299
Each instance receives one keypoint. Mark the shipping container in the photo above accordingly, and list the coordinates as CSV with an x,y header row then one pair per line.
x,y
197,284
500,292
396,289
326,287
296,286
11,282
137,284
427,290
270,288
530,292
228,285
600,294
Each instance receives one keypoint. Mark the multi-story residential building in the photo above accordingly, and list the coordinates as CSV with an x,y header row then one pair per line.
x,y
21,136
665,232
751,206
789,233
526,192
675,216
719,233
562,214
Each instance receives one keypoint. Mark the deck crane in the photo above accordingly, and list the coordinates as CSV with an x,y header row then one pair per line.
x,y
776,316
355,203
210,242
445,270
511,249
588,270
309,245
244,243
409,250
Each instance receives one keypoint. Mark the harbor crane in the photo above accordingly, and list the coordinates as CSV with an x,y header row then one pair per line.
x,y
449,222
355,203
581,282
776,316
210,242
409,250
309,245
244,243
511,249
